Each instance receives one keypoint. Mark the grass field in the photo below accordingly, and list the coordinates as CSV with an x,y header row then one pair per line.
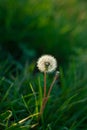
x,y
29,29
21,96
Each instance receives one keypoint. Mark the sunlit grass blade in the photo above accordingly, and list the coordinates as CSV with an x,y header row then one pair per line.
x,y
23,120
36,101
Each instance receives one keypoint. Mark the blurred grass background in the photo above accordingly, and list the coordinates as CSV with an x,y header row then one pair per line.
x,y
28,29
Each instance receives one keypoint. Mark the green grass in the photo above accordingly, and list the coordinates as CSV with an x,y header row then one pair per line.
x,y
28,29
38,27
21,97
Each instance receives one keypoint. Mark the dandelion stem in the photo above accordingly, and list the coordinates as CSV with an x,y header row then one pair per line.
x,y
43,105
44,84
46,98
51,86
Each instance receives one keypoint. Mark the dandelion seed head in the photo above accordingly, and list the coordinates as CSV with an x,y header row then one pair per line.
x,y
47,63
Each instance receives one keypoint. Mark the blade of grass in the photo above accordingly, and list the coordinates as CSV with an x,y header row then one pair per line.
x,y
7,92
23,120
36,102
25,104
40,91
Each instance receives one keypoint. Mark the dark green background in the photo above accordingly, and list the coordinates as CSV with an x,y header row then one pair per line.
x,y
33,28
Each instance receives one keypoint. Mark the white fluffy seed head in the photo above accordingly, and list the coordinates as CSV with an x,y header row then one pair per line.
x,y
47,63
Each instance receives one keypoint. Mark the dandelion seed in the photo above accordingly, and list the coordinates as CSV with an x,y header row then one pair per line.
x,y
57,72
47,63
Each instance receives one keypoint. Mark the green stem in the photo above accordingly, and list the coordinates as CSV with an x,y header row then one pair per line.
x,y
44,84
43,101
